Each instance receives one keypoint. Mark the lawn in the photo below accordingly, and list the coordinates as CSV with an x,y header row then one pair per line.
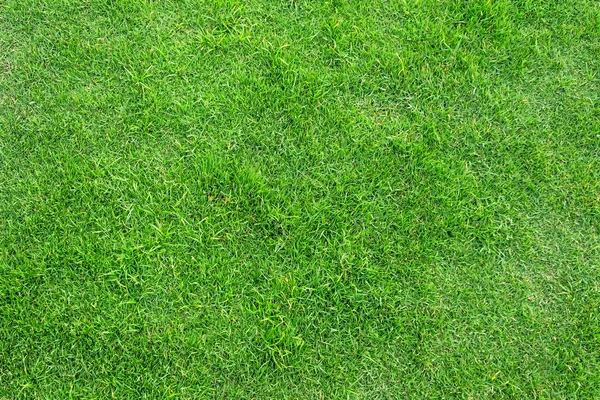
x,y
297,199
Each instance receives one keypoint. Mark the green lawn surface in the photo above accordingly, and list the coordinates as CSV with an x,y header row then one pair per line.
x,y
299,199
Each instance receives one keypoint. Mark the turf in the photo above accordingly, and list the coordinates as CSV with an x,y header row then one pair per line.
x,y
299,199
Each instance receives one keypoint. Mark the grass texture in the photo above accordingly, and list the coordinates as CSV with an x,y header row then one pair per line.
x,y
299,199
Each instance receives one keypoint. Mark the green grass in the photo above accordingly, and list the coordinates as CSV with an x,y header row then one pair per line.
x,y
300,199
